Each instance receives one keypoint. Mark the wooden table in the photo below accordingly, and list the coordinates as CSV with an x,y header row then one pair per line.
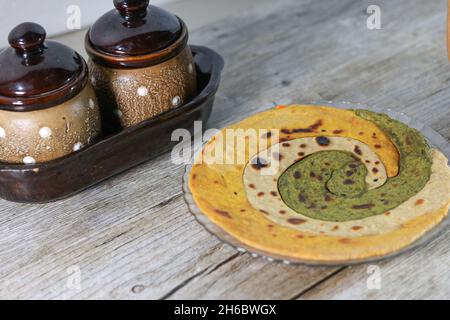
x,y
132,236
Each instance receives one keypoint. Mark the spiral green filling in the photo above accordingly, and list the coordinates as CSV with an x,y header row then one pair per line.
x,y
331,186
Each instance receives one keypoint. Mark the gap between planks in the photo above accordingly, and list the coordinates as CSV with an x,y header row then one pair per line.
x,y
198,274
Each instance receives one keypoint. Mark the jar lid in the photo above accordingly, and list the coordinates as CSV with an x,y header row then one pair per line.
x,y
37,74
135,34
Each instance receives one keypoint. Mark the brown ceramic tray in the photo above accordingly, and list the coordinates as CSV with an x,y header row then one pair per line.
x,y
115,153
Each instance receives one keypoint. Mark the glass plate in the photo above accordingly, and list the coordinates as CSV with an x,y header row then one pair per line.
x,y
434,139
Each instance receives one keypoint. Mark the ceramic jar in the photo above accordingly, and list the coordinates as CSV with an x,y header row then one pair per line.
x,y
48,109
140,63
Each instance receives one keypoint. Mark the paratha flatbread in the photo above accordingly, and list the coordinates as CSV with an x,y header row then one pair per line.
x,y
231,194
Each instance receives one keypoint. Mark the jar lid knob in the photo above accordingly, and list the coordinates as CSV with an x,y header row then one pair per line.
x,y
27,38
131,9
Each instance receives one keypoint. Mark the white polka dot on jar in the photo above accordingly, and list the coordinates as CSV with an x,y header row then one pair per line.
x,y
142,91
118,113
176,101
45,132
2,133
28,160
77,146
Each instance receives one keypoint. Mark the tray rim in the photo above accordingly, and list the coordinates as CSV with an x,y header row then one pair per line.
x,y
216,64
434,138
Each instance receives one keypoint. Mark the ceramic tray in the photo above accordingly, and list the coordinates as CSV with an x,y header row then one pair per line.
x,y
113,154
435,140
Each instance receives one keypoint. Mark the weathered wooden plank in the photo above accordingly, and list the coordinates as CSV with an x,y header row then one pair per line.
x,y
132,236
253,278
115,241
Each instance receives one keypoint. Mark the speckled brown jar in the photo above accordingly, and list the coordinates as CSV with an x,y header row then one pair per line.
x,y
48,109
140,63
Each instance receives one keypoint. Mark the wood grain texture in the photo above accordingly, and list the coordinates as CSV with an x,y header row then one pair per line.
x,y
133,237
420,274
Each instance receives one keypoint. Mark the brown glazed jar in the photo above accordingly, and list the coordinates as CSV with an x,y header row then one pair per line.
x,y
140,63
48,109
